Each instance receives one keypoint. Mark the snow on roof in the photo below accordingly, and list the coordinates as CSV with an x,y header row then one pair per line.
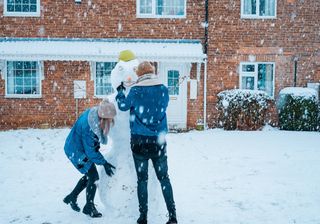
x,y
300,92
65,49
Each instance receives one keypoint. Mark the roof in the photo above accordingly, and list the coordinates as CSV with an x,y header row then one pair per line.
x,y
79,49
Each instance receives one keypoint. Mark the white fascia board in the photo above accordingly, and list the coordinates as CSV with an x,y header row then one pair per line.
x,y
99,51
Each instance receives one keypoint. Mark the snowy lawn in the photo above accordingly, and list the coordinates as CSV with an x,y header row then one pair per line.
x,y
218,177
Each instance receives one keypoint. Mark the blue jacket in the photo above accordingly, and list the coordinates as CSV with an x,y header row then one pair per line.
x,y
82,144
147,105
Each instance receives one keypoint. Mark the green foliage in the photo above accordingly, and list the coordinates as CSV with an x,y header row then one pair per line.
x,y
298,113
242,109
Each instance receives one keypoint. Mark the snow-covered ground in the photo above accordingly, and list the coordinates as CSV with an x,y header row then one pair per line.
x,y
218,177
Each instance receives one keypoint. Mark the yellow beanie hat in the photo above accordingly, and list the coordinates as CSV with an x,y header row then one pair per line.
x,y
126,55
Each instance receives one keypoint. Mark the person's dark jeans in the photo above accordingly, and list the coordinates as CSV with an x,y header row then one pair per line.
x,y
160,164
87,181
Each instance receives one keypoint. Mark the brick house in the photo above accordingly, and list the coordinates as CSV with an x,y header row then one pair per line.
x,y
199,47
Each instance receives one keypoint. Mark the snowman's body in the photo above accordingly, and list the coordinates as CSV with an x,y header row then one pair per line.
x,y
119,191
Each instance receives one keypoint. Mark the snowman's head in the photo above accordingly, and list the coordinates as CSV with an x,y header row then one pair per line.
x,y
125,69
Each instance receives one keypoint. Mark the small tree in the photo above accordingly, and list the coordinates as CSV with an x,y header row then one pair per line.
x,y
242,109
298,109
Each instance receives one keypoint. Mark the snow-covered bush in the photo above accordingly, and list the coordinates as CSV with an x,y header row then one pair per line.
x,y
298,109
242,109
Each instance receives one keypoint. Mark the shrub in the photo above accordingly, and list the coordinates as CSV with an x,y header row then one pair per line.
x,y
242,109
298,109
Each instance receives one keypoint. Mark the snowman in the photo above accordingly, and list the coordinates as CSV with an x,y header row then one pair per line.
x,y
119,192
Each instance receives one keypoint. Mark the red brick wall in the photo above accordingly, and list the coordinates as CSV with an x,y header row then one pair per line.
x,y
57,106
101,19
294,33
65,18
195,106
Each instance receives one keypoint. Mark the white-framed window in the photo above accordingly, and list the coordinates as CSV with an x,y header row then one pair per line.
x,y
102,78
23,79
258,9
173,82
161,8
29,8
257,76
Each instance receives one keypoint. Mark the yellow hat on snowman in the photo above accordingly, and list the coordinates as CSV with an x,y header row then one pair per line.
x,y
126,55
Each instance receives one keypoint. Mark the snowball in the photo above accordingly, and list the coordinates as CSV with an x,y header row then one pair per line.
x,y
161,138
141,109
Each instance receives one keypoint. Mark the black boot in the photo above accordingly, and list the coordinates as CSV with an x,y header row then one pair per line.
x,y
172,220
70,199
142,219
90,209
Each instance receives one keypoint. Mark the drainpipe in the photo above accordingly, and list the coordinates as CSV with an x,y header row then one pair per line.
x,y
205,95
295,71
206,25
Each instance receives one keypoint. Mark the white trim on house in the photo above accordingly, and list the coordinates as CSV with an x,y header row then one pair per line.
x,y
2,69
153,13
94,78
100,49
257,16
21,14
40,77
254,74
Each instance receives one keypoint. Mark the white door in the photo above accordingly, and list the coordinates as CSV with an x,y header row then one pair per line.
x,y
175,76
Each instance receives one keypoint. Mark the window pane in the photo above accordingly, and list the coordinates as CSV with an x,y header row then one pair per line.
x,y
25,8
17,8
170,7
249,7
103,78
33,8
267,8
247,82
10,8
10,85
145,6
19,81
34,82
248,68
265,78
18,90
27,81
18,65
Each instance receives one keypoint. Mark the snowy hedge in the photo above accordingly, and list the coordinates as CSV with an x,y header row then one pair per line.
x,y
298,109
242,109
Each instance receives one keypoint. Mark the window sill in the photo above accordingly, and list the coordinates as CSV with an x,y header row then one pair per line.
x,y
18,96
160,17
258,17
102,96
21,14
